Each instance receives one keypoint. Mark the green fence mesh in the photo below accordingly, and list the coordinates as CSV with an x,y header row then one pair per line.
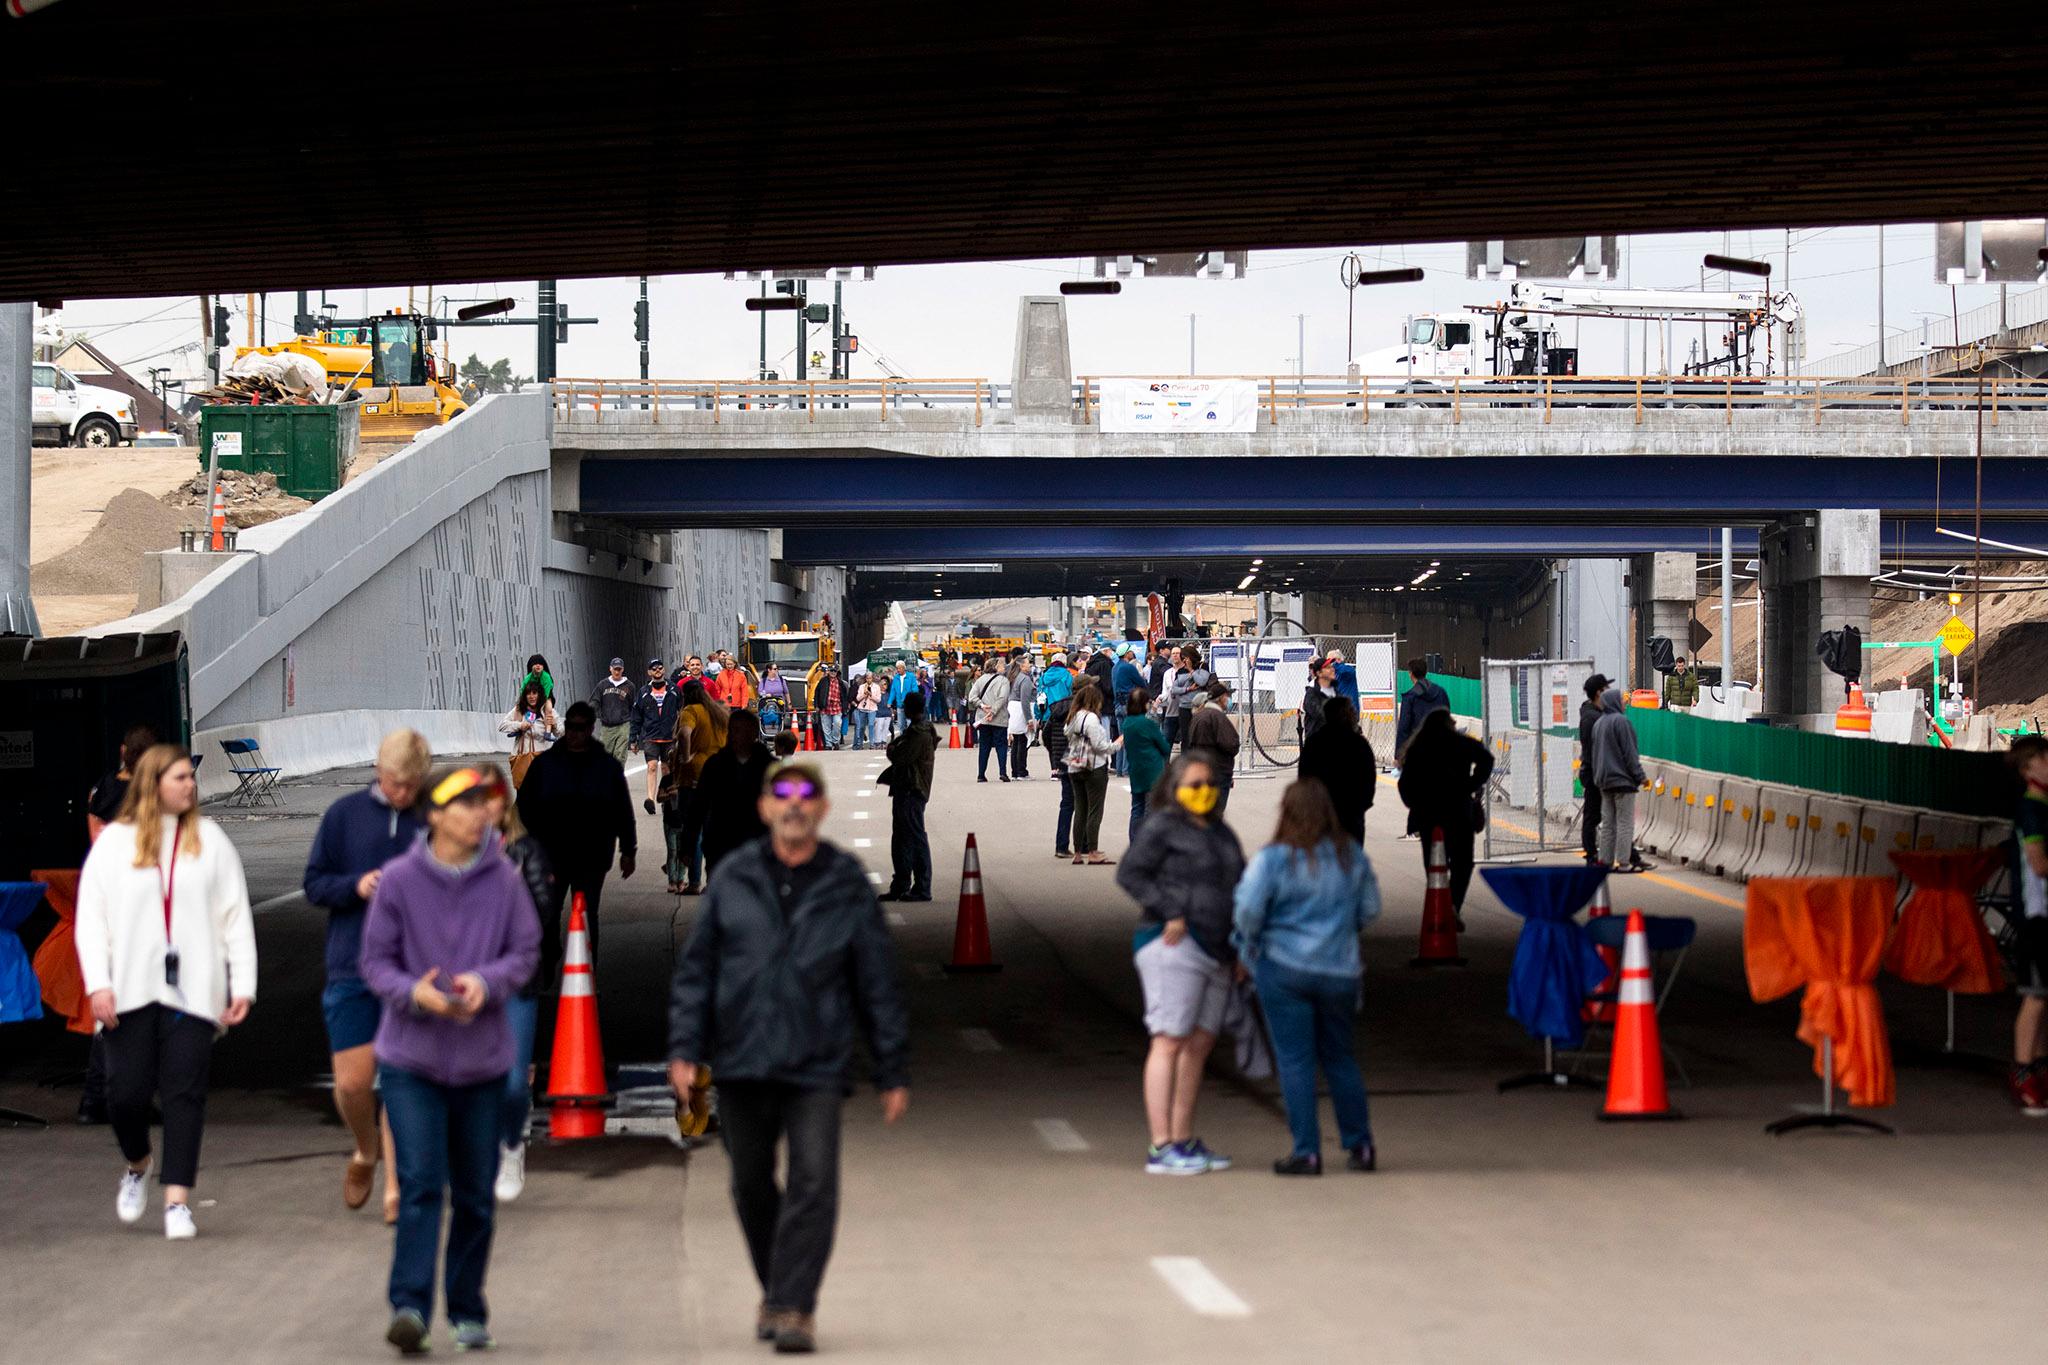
x,y
1463,692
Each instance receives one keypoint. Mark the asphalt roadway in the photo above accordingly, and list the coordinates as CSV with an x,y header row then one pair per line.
x,y
1008,1217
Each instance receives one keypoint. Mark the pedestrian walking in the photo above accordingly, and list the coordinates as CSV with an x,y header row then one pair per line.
x,y
1589,810
1321,690
167,953
2027,1080
1190,687
727,797
533,726
1089,749
1681,687
1182,870
1125,676
1166,697
730,686
866,703
829,701
953,681
452,935
702,729
1617,770
990,698
1421,698
1145,746
522,1011
102,808
537,671
912,754
654,724
614,700
1342,760
357,836
775,703
1297,915
575,802
1020,721
1056,754
1442,776
902,682
1213,732
788,952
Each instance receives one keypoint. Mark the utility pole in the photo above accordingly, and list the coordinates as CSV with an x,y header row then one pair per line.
x,y
642,325
840,363
803,327
1191,345
544,354
761,371
1300,353
1880,296
249,318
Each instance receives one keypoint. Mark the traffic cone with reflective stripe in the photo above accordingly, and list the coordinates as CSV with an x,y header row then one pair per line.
x,y
219,517
576,1074
1600,1010
954,741
971,952
1635,1073
806,742
1439,947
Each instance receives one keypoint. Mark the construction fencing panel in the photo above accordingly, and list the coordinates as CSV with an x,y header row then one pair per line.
x,y
1529,719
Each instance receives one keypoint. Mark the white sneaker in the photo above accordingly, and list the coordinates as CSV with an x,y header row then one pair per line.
x,y
133,1197
178,1224
511,1173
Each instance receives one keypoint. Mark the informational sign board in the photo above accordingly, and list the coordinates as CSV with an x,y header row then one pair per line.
x,y
227,445
1283,667
1226,661
1956,635
1179,405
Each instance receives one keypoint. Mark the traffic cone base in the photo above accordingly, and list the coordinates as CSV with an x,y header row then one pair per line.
x,y
971,951
576,1086
1635,1071
1439,947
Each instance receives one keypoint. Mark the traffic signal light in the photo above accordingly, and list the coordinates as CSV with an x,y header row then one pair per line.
x,y
846,343
561,323
640,320
818,312
220,324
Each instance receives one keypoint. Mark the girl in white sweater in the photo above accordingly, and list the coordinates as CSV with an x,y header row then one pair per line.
x,y
167,948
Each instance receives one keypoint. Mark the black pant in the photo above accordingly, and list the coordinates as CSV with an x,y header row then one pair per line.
x,y
1589,823
591,884
1458,850
992,742
162,1053
910,850
1020,745
788,1228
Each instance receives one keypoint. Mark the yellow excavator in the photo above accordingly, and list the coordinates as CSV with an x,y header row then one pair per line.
x,y
404,388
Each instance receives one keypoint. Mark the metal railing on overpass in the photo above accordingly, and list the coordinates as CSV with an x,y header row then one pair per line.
x,y
1541,397
1977,324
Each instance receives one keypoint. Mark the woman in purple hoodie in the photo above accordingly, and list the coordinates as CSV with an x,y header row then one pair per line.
x,y
451,935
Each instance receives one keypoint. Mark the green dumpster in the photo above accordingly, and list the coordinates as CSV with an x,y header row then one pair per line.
x,y
308,447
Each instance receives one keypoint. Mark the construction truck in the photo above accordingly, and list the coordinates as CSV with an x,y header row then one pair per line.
x,y
801,655
387,364
1519,337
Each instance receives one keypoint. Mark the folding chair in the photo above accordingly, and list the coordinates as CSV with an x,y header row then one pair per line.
x,y
254,780
1667,934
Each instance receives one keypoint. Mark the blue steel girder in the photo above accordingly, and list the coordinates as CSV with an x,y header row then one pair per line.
x,y
792,491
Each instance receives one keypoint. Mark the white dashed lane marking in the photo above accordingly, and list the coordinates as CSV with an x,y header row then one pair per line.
x,y
1059,1135
979,1040
863,843
1199,1288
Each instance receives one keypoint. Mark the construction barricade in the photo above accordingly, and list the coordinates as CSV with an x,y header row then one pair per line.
x,y
1936,832
1781,833
1734,828
1696,823
1669,817
1831,842
1884,830
1650,806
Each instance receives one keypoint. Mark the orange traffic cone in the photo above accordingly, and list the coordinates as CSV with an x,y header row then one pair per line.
x,y
576,1073
971,951
1439,947
1635,1073
219,518
805,744
954,742
1599,1010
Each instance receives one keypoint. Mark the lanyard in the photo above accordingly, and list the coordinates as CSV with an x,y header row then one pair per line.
x,y
168,886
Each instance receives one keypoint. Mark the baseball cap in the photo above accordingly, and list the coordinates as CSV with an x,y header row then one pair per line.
x,y
482,782
795,767
1599,682
618,663
1059,658
654,663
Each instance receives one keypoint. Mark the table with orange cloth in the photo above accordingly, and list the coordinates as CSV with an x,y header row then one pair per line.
x,y
1941,939
56,960
1827,934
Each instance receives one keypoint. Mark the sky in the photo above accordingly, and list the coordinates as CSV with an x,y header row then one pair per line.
x,y
959,321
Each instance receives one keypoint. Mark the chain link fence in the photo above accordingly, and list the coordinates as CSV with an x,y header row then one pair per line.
x,y
1530,721
1269,674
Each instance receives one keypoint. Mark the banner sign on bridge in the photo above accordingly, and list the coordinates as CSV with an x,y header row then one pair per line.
x,y
1179,404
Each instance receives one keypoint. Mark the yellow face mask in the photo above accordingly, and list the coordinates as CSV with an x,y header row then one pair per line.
x,y
1196,800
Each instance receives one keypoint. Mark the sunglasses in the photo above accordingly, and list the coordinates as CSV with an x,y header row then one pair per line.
x,y
794,789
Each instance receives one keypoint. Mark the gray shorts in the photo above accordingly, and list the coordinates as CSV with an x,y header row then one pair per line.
x,y
1185,989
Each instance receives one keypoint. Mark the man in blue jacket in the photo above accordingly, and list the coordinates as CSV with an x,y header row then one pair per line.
x,y
1126,676
358,835
1417,702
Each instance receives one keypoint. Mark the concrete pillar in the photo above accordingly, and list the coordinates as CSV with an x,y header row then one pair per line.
x,y
17,608
1042,384
1816,572
1591,617
1664,589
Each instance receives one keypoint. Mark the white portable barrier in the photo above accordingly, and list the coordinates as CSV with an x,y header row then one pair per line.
x,y
1734,827
1937,831
1781,833
1697,823
1670,808
1991,833
1831,840
1883,831
1650,806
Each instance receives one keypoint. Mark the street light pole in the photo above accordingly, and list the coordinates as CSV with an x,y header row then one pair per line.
x,y
646,329
1191,345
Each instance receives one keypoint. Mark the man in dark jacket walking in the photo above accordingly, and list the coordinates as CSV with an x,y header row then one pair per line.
x,y
1589,816
1442,775
614,700
574,800
1418,701
909,778
654,729
788,953
1617,769
1341,758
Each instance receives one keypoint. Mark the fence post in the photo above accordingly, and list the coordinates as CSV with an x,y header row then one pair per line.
x,y
1994,400
1457,399
1364,399
977,402
1731,401
811,398
1272,401
885,400
1816,407
1546,399
1639,400
1905,402
714,402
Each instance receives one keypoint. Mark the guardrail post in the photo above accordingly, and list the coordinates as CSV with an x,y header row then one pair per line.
x,y
1639,400
885,400
977,402
1364,399
811,399
654,401
597,401
1994,401
1731,401
1816,402
714,402
1546,399
1457,399
1272,401
1905,402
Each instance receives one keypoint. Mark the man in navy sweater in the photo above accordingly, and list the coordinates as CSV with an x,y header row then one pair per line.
x,y
358,835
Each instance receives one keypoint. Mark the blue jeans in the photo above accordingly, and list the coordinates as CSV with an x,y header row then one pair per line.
x,y
1138,800
523,1014
1066,821
1119,763
1311,1017
830,724
863,729
445,1138
995,740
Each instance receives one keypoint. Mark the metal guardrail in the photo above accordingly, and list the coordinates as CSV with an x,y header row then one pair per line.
x,y
1539,396
1982,322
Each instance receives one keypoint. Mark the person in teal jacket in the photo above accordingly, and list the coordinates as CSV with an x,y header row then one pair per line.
x,y
1055,685
1145,746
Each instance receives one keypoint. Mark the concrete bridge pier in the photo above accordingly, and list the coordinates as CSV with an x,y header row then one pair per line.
x,y
1663,589
1816,571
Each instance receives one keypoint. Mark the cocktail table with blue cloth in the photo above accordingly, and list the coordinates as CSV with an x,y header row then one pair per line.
x,y
21,995
1556,966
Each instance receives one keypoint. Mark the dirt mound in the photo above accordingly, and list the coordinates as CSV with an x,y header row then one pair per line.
x,y
109,559
252,499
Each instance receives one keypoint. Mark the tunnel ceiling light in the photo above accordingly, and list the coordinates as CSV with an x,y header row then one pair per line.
x,y
1248,578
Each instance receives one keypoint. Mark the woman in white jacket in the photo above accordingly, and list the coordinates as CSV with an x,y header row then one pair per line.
x,y
167,947
1089,751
